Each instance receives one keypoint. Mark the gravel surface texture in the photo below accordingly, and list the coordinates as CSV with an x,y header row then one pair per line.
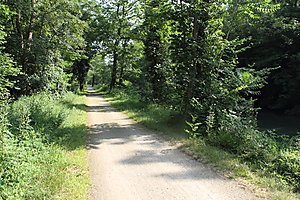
x,y
129,162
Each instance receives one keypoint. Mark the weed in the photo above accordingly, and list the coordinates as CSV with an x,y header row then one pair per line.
x,y
42,143
238,151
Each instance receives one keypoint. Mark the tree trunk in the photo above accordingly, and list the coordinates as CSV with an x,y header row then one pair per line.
x,y
114,70
25,36
122,66
121,75
31,22
93,81
115,55
19,29
81,86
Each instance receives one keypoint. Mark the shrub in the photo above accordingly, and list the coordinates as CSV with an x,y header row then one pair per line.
x,y
20,156
42,109
237,134
287,166
25,148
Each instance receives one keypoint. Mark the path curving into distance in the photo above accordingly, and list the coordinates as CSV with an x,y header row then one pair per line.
x,y
129,162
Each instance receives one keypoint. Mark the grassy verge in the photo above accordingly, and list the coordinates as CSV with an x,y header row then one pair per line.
x,y
43,153
74,178
156,117
263,184
170,124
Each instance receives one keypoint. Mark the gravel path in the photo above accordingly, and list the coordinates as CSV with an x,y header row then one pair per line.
x,y
128,162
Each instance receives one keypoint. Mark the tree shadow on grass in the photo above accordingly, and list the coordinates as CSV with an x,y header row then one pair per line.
x,y
69,138
172,125
71,105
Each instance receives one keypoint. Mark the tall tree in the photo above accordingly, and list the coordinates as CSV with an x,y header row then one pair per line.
x,y
7,66
191,20
154,48
43,35
120,20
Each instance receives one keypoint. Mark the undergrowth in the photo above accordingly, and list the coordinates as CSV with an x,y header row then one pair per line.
x,y
268,165
42,153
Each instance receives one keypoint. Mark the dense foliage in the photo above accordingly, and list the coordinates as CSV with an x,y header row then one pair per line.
x,y
43,39
41,43
274,32
35,131
204,61
208,61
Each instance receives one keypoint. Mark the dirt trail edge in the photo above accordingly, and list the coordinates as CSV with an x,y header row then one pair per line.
x,y
129,162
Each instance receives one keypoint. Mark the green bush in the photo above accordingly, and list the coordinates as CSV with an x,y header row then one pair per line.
x,y
287,167
264,151
25,148
230,132
20,156
43,111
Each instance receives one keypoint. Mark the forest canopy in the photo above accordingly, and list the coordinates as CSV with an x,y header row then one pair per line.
x,y
212,63
163,48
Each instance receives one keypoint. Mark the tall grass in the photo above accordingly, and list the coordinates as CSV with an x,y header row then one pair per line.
x,y
43,148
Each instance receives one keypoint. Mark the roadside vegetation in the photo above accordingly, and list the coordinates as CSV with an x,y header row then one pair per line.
x,y
201,69
266,164
42,126
42,154
151,115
